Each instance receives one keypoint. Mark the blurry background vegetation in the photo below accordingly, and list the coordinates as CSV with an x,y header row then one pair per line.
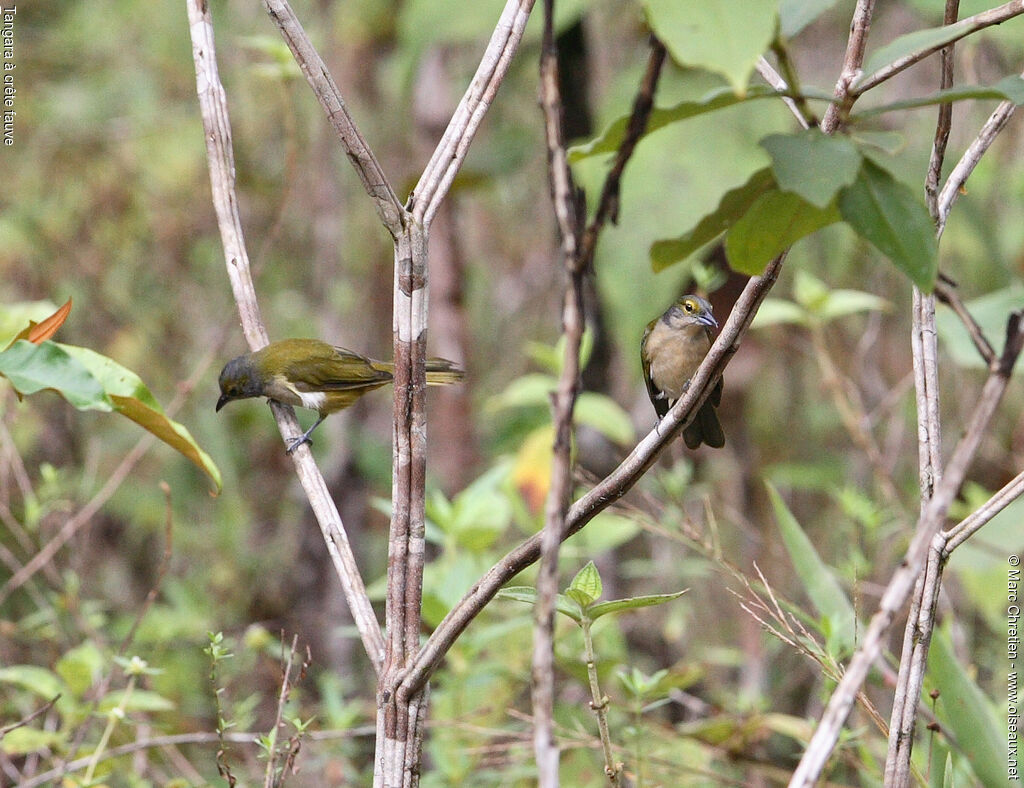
x,y
105,198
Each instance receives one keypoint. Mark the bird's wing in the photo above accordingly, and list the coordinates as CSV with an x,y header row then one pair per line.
x,y
658,398
335,368
716,393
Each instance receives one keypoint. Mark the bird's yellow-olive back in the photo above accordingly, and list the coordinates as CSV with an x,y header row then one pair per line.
x,y
671,350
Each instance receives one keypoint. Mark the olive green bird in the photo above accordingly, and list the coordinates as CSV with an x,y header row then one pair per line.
x,y
308,373
672,348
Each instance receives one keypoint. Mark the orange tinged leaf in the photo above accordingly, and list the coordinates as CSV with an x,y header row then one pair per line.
x,y
39,332
48,327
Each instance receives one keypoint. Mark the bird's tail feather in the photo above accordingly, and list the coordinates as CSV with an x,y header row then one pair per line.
x,y
441,371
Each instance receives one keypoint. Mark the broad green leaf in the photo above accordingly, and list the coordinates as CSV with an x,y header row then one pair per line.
x,y
606,416
812,164
734,204
809,291
795,15
913,42
32,368
1010,88
888,142
552,358
990,311
606,531
719,98
131,398
14,317
614,606
964,709
27,739
137,700
847,302
822,588
80,667
528,594
774,222
776,311
40,681
889,215
481,512
723,36
586,587
533,390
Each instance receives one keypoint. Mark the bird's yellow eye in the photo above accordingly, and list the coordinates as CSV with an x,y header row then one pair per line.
x,y
688,305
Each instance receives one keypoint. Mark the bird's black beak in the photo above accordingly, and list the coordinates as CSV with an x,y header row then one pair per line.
x,y
224,400
708,319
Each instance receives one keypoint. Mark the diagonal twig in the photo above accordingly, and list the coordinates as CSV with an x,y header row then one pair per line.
x,y
358,151
966,26
217,127
609,489
904,578
451,151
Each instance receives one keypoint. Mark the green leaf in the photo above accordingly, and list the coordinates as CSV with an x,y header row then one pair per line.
x,y
528,594
734,204
888,214
131,398
774,222
812,164
14,317
964,709
136,700
824,590
723,36
32,368
533,390
719,98
80,667
847,302
913,42
481,512
40,681
1010,88
606,531
25,740
795,15
614,606
606,416
586,587
776,311
809,291
990,311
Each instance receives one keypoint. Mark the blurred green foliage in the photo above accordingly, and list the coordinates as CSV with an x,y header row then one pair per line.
x,y
105,197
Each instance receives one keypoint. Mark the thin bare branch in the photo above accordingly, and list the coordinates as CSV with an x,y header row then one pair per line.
x,y
967,26
773,78
567,208
904,578
963,169
924,347
853,60
945,119
608,202
970,525
609,489
946,292
217,127
319,78
451,151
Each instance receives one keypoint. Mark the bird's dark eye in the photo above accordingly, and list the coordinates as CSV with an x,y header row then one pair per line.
x,y
688,306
